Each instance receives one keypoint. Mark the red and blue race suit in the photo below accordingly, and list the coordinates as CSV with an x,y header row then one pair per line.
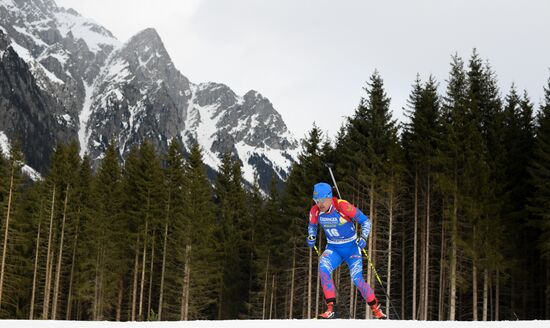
x,y
338,225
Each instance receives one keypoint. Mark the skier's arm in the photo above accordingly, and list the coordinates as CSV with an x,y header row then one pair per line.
x,y
358,216
312,226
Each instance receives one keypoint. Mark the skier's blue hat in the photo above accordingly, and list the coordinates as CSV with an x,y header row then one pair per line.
x,y
322,190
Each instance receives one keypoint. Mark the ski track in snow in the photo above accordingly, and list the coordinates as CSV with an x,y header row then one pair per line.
x,y
276,324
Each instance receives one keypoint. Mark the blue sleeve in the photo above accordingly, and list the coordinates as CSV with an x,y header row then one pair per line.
x,y
364,221
312,230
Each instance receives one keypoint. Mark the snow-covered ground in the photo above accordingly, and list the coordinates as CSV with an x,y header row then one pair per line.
x,y
276,324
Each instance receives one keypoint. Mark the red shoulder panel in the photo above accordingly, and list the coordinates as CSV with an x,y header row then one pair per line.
x,y
346,208
314,214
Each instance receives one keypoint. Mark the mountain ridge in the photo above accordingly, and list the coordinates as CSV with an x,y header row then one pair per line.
x,y
106,90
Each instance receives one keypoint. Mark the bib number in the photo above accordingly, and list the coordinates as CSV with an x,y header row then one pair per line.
x,y
333,232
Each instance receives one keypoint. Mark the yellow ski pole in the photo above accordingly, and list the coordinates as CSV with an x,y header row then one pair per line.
x,y
316,250
372,266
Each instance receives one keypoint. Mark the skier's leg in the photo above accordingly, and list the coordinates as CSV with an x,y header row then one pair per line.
x,y
330,260
355,264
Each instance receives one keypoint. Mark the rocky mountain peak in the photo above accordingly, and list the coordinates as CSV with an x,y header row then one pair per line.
x,y
4,40
47,5
81,83
147,37
146,51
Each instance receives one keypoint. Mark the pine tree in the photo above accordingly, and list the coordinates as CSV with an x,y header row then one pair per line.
x,y
420,139
255,203
451,159
175,232
9,205
234,222
206,256
83,212
540,178
105,239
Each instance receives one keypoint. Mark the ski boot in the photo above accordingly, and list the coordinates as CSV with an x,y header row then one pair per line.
x,y
330,313
376,310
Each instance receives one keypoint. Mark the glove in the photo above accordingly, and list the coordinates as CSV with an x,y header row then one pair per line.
x,y
310,241
361,242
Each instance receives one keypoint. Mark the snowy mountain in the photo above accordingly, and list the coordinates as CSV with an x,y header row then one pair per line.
x,y
83,84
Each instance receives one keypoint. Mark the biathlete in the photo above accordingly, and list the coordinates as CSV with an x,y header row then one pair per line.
x,y
336,217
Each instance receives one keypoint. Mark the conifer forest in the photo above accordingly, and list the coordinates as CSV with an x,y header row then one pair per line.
x,y
458,196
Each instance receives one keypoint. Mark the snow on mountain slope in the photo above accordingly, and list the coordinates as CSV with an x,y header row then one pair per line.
x,y
276,324
38,70
43,23
140,95
255,132
5,146
83,117
95,36
105,91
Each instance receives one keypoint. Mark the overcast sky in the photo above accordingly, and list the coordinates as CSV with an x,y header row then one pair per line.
x,y
312,58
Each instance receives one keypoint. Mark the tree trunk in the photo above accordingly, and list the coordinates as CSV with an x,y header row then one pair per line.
x,y
415,247
6,232
370,243
474,278
512,298
292,278
547,292
144,261
309,277
46,307
403,275
97,283
474,291
442,276
34,277
485,293
286,315
151,278
101,285
497,296
134,287
272,297
265,290
388,281
50,269
60,257
71,277
161,296
454,236
356,292
427,260
119,302
186,283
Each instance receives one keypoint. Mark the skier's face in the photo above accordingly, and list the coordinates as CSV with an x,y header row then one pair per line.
x,y
323,203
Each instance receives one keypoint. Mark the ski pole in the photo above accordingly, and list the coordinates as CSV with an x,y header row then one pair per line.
x,y
316,250
381,285
329,166
372,266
